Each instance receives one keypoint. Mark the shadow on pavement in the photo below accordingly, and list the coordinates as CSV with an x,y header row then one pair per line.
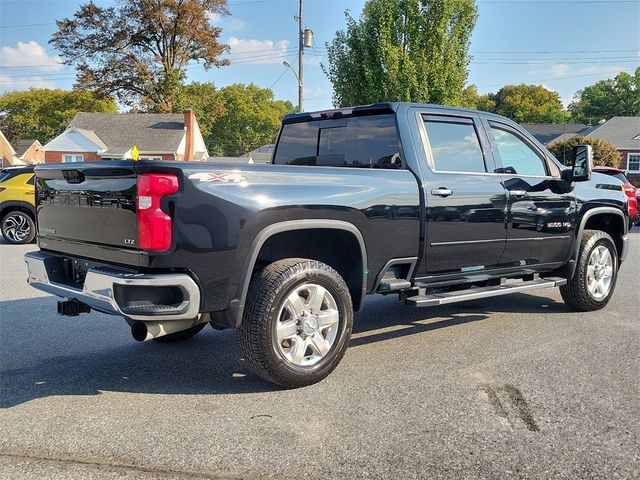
x,y
42,354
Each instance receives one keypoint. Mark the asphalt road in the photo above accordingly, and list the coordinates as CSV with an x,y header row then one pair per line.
x,y
510,387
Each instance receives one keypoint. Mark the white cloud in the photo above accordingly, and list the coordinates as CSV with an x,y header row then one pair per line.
x,y
547,87
214,17
251,51
237,24
560,70
8,83
28,54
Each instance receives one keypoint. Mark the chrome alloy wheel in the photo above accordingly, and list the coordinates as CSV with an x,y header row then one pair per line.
x,y
600,272
16,227
307,325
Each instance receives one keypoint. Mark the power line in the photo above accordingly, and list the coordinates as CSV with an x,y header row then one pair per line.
x,y
610,72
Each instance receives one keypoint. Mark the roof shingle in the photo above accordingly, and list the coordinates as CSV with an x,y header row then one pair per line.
x,y
119,132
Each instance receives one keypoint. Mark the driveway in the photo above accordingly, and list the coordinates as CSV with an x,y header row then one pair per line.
x,y
514,386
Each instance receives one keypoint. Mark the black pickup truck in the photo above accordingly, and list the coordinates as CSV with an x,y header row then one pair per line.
x,y
436,204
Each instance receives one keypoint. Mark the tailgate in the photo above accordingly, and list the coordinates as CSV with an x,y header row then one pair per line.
x,y
88,203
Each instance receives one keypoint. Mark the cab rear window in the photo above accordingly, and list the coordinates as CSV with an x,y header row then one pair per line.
x,y
364,141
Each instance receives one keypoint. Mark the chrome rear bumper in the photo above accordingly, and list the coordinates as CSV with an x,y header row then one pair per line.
x,y
105,288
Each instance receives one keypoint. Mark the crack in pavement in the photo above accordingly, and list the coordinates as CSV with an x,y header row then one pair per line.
x,y
122,467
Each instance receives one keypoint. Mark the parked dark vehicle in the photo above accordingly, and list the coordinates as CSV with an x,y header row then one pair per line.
x,y
436,204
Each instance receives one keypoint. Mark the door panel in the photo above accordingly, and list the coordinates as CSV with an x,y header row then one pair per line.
x,y
541,207
466,205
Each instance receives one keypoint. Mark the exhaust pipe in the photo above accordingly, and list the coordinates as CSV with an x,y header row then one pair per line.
x,y
142,331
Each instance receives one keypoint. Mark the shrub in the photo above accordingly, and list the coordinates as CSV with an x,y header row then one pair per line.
x,y
604,153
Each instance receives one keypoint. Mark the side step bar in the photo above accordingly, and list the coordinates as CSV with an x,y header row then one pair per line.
x,y
482,292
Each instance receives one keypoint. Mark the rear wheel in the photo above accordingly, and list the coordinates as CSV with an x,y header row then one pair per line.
x,y
596,273
18,227
297,322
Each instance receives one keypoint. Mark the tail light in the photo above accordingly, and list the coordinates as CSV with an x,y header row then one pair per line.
x,y
154,225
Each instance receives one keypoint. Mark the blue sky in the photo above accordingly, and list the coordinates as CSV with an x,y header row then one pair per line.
x,y
563,45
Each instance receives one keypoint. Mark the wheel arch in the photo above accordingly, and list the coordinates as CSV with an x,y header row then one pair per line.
x,y
607,219
357,283
8,206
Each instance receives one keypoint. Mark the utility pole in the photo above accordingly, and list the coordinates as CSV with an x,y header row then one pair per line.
x,y
300,64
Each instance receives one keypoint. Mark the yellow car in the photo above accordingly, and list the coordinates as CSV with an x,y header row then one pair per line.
x,y
17,204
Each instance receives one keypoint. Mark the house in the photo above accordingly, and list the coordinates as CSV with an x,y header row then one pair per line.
x,y
30,151
8,155
622,132
112,136
547,133
262,154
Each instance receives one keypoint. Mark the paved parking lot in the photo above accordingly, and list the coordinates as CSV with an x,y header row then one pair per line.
x,y
516,386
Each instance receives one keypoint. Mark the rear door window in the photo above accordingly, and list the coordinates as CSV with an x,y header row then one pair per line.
x,y
454,145
365,141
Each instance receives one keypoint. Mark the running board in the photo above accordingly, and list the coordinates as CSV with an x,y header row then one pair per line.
x,y
482,292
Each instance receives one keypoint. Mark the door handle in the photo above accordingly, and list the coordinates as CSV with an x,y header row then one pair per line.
x,y
441,192
518,193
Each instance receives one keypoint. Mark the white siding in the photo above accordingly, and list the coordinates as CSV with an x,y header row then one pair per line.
x,y
71,141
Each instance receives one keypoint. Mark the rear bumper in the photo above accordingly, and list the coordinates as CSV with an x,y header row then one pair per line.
x,y
109,290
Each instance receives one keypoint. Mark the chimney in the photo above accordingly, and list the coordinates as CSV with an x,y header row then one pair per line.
x,y
189,126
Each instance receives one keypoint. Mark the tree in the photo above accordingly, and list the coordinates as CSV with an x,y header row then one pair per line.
x,y
608,98
604,153
251,119
10,130
529,104
207,104
472,99
43,113
139,50
402,50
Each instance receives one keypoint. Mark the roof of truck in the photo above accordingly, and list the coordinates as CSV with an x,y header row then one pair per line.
x,y
385,107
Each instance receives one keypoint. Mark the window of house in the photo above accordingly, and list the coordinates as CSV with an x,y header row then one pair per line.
x,y
455,146
517,156
633,162
367,141
72,158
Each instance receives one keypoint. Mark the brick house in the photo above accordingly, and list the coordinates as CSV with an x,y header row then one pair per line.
x,y
112,136
30,151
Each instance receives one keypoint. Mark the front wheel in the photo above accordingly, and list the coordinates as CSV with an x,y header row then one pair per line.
x,y
297,322
596,273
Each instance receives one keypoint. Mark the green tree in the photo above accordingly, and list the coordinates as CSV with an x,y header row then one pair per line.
x,y
529,104
402,50
139,49
44,113
604,153
207,104
10,130
608,98
472,99
251,119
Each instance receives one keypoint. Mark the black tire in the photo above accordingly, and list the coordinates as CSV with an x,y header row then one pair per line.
x,y
182,335
18,227
576,292
268,293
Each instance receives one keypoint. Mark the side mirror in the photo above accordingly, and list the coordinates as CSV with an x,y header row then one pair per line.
x,y
582,163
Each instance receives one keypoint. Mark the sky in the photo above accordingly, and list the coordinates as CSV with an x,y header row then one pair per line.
x,y
563,45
